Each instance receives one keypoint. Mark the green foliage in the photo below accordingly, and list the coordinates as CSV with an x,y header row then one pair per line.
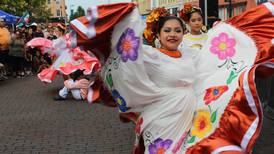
x,y
80,12
192,139
37,8
213,116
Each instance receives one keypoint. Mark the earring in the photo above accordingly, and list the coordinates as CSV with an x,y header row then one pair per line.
x,y
157,43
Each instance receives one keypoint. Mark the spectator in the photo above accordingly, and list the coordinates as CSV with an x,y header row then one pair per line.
x,y
5,39
51,35
17,53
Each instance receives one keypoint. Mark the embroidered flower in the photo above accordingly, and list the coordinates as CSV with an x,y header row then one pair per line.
x,y
202,124
223,46
120,101
138,126
159,146
128,45
179,143
214,93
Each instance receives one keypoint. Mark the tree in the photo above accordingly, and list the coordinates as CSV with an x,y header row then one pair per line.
x,y
37,8
80,12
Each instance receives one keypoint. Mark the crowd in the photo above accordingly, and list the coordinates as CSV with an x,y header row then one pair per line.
x,y
16,59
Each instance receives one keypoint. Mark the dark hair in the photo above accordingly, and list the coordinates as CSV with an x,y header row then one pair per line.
x,y
61,30
76,74
190,13
61,27
163,20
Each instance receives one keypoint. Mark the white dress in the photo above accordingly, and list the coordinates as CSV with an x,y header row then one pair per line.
x,y
172,116
194,41
155,85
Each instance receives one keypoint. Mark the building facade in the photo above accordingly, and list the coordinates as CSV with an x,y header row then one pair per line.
x,y
172,5
57,8
238,6
144,6
193,2
220,10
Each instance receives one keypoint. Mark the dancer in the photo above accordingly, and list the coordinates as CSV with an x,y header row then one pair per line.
x,y
196,37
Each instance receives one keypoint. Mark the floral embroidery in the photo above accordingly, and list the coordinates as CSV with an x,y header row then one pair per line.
x,y
138,126
214,93
179,143
202,124
120,101
128,45
159,146
223,46
109,79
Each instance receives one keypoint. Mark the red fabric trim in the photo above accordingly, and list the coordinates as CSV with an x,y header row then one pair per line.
x,y
109,16
253,90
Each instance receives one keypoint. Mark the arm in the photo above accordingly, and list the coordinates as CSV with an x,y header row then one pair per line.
x,y
77,84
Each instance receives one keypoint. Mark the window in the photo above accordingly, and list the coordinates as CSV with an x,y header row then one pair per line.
x,y
48,1
58,12
261,1
174,11
57,1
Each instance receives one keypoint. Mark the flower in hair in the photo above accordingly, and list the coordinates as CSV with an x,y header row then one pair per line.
x,y
188,9
151,22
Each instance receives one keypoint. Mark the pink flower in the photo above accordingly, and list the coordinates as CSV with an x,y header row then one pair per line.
x,y
223,46
179,143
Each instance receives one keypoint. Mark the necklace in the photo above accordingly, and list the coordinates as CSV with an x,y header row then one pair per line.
x,y
174,54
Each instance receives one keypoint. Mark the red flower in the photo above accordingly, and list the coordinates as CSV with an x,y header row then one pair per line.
x,y
138,126
214,93
188,9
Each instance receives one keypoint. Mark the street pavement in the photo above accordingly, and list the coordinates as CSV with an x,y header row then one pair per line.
x,y
31,123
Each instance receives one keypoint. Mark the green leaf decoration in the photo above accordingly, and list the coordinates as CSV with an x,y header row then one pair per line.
x,y
210,110
109,80
232,76
192,139
213,116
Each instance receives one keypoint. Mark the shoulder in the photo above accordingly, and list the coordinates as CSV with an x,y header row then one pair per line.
x,y
188,52
150,51
186,36
150,54
191,37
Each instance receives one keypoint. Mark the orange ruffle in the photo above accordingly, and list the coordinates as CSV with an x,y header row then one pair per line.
x,y
174,54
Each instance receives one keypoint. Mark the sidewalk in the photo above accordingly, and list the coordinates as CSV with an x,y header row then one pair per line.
x,y
31,122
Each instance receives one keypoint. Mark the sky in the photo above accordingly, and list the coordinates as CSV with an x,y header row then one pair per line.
x,y
73,4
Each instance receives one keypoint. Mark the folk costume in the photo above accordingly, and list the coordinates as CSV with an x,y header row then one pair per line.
x,y
190,40
196,103
194,41
68,59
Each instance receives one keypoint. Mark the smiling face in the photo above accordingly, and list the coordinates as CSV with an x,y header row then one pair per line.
x,y
195,23
57,32
171,35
